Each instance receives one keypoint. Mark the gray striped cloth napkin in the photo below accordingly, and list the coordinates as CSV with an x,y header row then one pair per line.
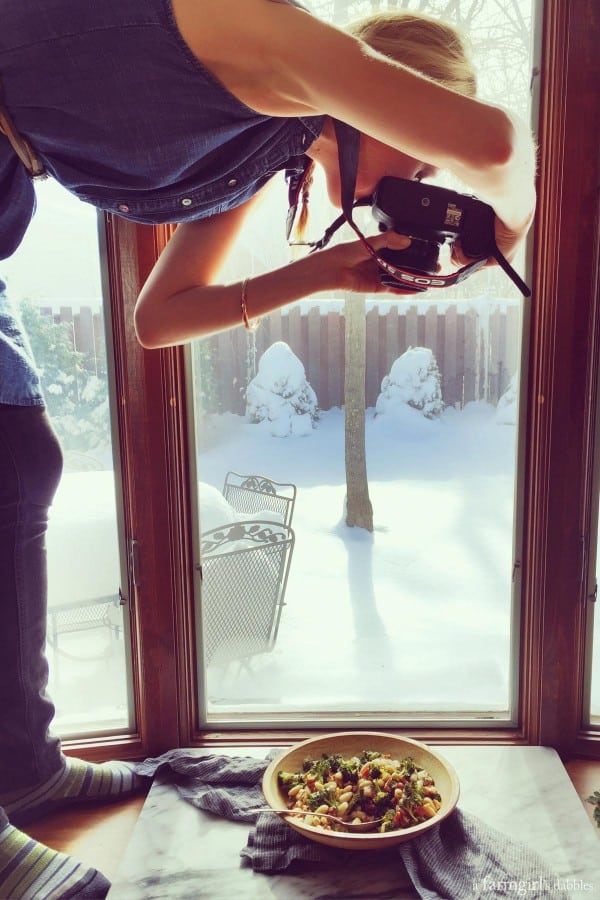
x,y
461,859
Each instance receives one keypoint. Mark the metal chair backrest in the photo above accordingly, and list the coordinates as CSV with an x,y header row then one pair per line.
x,y
256,494
245,568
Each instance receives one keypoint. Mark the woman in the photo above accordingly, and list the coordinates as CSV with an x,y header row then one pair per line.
x,y
35,776
182,113
410,127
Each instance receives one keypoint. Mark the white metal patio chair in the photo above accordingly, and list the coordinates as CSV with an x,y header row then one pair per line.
x,y
244,568
256,494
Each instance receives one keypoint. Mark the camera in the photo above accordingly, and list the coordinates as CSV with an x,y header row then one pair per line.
x,y
430,216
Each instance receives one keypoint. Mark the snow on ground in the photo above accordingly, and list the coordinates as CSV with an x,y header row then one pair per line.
x,y
415,615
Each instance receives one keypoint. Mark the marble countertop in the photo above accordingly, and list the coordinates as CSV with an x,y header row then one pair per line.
x,y
178,851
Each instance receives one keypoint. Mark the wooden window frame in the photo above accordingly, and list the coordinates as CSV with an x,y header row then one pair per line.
x,y
558,451
563,359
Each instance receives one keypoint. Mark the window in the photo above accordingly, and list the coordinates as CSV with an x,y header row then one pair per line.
x,y
554,455
59,292
593,696
367,621
591,714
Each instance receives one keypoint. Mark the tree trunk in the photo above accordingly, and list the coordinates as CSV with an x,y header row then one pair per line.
x,y
359,511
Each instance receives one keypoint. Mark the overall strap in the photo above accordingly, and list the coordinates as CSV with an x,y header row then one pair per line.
x,y
22,148
348,139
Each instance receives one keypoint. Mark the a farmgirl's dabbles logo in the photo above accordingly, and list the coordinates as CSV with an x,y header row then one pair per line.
x,y
536,886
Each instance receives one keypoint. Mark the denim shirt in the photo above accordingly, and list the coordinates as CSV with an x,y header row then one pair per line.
x,y
19,382
122,114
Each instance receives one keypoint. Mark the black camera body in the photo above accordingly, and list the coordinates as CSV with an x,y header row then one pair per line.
x,y
431,216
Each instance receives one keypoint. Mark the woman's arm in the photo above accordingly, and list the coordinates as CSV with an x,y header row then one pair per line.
x,y
180,300
290,63
287,62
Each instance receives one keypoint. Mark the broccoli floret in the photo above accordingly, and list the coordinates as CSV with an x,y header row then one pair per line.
x,y
349,771
369,755
318,798
407,766
411,794
335,761
381,802
320,769
288,780
388,821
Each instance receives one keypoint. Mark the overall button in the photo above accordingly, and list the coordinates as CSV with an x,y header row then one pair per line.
x,y
122,207
186,201
232,182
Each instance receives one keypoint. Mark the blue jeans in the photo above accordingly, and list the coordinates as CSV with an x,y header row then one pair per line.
x,y
30,471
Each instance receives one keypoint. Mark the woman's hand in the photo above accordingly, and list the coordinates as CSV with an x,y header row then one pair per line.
x,y
354,269
508,241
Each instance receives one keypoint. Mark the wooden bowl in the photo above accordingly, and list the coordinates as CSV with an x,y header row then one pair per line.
x,y
351,743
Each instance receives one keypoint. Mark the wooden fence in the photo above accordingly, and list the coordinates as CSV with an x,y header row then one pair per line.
x,y
87,331
477,354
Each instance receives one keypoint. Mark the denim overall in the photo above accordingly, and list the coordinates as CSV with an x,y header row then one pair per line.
x,y
123,115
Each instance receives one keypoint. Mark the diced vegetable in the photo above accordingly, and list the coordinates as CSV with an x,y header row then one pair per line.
x,y
362,788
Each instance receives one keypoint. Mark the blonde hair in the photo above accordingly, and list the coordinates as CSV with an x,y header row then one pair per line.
x,y
427,45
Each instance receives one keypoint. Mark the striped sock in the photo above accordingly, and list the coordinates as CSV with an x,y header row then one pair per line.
x,y
31,871
78,782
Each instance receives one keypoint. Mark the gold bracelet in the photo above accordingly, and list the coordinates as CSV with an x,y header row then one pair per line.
x,y
249,324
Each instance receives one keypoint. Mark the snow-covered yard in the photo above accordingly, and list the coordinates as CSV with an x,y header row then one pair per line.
x,y
415,615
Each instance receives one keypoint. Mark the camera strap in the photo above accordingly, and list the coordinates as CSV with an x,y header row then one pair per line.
x,y
348,139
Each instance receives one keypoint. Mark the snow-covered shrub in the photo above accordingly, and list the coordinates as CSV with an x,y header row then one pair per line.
x,y
414,380
76,398
507,408
280,394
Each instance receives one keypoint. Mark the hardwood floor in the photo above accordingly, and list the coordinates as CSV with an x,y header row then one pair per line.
x,y
92,834
98,835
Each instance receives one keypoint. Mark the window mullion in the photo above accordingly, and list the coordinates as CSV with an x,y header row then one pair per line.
x,y
148,416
